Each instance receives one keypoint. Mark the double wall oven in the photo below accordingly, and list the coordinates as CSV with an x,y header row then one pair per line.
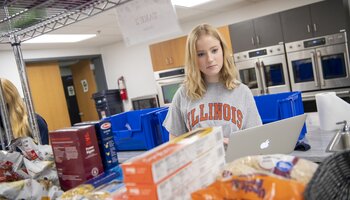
x,y
319,63
264,70
168,81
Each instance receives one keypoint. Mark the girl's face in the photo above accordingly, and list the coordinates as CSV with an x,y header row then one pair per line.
x,y
209,57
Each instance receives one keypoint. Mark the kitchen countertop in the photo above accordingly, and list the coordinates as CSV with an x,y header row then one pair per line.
x,y
317,138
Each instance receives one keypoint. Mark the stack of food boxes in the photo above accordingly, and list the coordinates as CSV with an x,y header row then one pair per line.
x,y
77,155
177,168
105,138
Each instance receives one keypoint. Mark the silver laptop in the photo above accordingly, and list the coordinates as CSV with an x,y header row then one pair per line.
x,y
276,137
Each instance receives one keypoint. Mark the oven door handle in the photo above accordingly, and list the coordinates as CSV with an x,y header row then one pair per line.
x,y
263,77
314,68
319,63
164,82
262,90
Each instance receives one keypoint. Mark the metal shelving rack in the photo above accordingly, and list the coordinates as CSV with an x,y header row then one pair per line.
x,y
21,20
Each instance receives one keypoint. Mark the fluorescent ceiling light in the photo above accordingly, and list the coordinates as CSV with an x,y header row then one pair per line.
x,y
60,38
188,3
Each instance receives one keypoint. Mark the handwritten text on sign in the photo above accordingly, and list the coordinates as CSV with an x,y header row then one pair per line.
x,y
144,20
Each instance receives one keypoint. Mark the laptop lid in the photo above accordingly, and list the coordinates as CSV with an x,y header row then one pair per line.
x,y
276,137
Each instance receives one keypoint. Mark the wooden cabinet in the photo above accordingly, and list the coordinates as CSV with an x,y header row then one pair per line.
x,y
168,54
318,19
171,53
257,33
225,33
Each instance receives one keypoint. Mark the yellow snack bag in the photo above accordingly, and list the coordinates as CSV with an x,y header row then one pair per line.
x,y
251,187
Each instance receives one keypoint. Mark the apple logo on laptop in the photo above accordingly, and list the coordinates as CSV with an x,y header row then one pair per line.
x,y
265,144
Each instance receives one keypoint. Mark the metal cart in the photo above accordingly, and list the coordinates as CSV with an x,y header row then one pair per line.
x,y
21,20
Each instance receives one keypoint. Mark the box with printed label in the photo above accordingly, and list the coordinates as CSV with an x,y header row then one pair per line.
x,y
163,161
105,137
77,155
176,184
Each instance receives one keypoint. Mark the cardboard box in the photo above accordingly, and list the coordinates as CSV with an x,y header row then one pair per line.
x,y
165,160
77,155
184,181
108,148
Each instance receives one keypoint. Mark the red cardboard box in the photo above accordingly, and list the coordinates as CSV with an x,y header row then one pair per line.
x,y
77,155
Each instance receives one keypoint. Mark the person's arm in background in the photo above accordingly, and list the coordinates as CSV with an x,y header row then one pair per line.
x,y
43,129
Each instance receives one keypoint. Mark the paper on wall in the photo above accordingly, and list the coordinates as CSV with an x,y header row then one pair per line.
x,y
144,20
331,109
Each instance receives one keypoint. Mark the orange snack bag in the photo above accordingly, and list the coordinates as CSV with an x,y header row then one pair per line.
x,y
251,187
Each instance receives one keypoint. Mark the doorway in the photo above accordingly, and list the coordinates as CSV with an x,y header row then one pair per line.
x,y
72,103
79,77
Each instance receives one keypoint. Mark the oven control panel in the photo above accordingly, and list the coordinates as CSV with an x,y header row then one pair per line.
x,y
316,42
169,73
257,53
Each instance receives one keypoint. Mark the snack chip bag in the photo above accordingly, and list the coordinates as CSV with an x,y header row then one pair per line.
x,y
278,165
251,187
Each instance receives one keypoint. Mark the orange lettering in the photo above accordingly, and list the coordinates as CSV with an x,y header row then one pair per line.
x,y
227,112
240,119
188,119
194,121
218,111
202,116
210,111
233,114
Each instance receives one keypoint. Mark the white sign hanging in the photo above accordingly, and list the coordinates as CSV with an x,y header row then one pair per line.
x,y
143,20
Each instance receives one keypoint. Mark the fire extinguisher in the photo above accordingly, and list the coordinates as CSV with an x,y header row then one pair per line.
x,y
121,84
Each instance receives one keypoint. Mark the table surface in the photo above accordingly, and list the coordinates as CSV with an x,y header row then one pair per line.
x,y
316,137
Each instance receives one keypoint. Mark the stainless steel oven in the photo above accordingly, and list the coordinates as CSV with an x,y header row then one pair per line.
x,y
264,70
168,81
319,63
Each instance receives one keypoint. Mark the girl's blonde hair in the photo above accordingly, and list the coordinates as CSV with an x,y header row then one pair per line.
x,y
194,80
16,109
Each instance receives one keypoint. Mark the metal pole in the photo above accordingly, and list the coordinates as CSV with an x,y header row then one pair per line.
x,y
16,46
5,121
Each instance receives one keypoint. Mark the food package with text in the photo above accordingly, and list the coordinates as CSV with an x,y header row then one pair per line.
x,y
162,161
77,155
108,148
274,176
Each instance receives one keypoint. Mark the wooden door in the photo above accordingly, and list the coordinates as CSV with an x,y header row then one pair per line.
x,y
156,52
168,54
48,97
83,75
178,55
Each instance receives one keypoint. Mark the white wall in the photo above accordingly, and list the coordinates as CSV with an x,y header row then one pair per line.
x,y
8,69
134,63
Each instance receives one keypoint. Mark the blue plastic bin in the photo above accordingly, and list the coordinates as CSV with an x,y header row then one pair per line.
x,y
274,107
136,130
161,114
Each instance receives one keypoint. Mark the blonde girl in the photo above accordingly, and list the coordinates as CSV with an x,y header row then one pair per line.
x,y
211,94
